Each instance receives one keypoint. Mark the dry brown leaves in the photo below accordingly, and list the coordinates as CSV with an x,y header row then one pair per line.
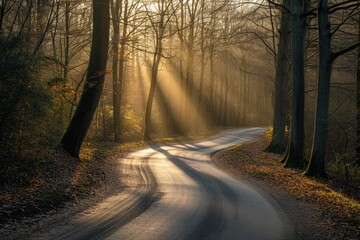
x,y
340,213
40,183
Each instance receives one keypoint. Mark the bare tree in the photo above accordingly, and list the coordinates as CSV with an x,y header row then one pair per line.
x,y
316,165
159,21
294,156
358,99
278,141
116,12
80,123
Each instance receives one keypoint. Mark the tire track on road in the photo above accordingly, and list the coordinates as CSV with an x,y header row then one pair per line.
x,y
139,199
220,201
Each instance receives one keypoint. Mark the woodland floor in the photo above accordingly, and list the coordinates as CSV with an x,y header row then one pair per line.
x,y
52,184
318,209
44,188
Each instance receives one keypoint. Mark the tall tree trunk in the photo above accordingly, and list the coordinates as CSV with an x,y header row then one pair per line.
x,y
227,79
181,67
294,156
202,59
327,57
212,62
190,59
246,99
219,107
80,123
103,114
66,40
2,14
154,72
358,100
159,30
122,59
116,7
316,165
278,142
212,81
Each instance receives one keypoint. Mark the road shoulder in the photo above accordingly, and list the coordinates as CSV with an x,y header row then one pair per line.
x,y
315,211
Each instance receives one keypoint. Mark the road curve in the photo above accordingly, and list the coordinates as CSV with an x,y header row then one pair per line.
x,y
174,192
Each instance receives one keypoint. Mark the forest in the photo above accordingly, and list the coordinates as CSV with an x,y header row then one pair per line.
x,y
77,72
190,56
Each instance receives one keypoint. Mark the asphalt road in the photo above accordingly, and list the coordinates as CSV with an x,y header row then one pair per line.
x,y
175,192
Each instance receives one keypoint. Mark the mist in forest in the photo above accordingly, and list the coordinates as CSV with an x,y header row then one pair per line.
x,y
173,68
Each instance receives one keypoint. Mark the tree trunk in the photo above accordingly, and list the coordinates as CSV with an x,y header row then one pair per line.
x,y
154,72
278,142
294,156
212,63
115,8
212,82
66,40
181,67
245,100
316,165
189,81
159,30
202,60
122,58
358,101
80,123
103,111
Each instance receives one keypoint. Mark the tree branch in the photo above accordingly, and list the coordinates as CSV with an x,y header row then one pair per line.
x,y
356,5
341,3
279,6
345,50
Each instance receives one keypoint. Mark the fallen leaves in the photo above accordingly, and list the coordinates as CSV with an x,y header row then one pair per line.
x,y
48,181
340,213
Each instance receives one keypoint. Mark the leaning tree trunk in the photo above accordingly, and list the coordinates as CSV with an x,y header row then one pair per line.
x,y
149,104
278,142
80,123
316,165
294,156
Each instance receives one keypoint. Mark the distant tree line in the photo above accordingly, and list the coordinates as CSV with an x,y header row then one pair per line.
x,y
173,67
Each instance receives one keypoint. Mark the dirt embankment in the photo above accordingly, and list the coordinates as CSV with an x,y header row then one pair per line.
x,y
41,185
315,208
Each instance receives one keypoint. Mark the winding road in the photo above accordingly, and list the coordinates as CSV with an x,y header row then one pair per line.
x,y
175,192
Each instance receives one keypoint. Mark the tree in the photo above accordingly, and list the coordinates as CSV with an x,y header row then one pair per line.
x,y
121,75
203,52
25,102
316,166
70,38
212,56
358,99
80,123
294,156
116,10
189,78
158,23
278,141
